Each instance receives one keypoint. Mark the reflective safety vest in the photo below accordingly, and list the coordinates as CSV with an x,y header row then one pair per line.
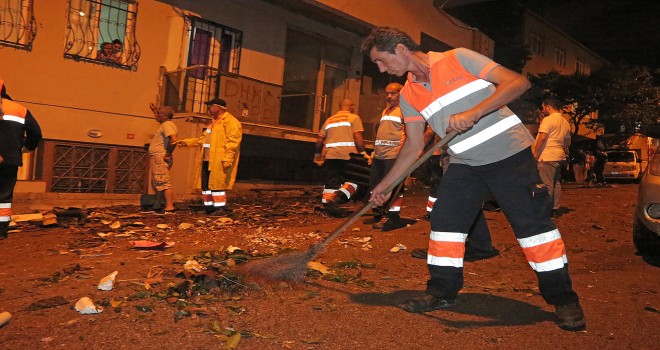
x,y
458,84
391,134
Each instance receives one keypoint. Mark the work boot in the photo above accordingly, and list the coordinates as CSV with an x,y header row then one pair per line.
x,y
334,210
426,303
419,253
372,220
3,235
472,254
218,212
570,317
392,223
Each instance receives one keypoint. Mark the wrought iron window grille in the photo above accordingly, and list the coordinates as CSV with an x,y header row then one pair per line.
x,y
18,27
103,32
213,45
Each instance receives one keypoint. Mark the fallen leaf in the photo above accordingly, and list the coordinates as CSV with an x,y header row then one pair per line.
x,y
185,226
232,342
162,226
318,267
115,225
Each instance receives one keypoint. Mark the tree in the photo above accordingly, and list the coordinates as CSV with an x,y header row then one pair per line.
x,y
632,101
579,93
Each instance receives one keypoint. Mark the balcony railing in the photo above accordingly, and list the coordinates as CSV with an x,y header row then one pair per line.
x,y
187,89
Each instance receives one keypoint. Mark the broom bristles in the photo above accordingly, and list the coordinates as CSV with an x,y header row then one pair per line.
x,y
287,267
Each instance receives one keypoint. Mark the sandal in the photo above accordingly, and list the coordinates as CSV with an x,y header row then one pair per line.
x,y
426,303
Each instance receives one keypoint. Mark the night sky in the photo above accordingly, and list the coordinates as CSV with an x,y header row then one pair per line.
x,y
622,31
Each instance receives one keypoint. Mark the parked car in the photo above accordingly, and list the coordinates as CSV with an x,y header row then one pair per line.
x,y
623,164
646,227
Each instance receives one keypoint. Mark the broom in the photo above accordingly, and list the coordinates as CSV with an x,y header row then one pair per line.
x,y
293,266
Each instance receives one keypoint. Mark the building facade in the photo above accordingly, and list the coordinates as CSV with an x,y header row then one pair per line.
x,y
281,65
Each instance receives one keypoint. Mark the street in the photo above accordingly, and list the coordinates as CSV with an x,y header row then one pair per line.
x,y
185,293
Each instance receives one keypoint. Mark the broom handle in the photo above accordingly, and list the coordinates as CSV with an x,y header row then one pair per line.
x,y
320,246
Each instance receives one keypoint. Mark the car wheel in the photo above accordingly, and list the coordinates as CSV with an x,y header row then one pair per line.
x,y
645,240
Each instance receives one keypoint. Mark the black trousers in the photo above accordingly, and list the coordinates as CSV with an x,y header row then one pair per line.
x,y
380,168
517,187
8,175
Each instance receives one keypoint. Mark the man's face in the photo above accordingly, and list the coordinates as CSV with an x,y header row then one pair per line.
x,y
390,63
392,96
161,116
215,110
545,110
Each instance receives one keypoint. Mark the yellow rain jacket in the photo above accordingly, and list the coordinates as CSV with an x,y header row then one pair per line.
x,y
225,146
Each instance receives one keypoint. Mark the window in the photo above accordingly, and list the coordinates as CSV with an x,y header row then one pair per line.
x,y
17,25
213,45
537,44
560,57
103,31
579,66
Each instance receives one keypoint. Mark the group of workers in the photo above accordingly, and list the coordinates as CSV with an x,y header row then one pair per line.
x,y
457,90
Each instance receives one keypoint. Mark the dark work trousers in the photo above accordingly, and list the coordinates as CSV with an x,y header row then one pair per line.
x,y
8,175
380,168
517,187
334,176
206,174
479,237
434,170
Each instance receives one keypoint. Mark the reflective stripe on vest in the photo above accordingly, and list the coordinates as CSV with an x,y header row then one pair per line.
x,y
386,143
453,96
337,125
13,118
391,118
340,144
486,134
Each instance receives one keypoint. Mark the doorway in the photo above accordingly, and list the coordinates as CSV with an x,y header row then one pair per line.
x,y
315,80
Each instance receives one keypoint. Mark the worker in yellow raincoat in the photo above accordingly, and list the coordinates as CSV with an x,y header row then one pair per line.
x,y
221,144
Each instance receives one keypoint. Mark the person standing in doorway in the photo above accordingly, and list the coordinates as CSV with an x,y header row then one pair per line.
x,y
551,147
221,145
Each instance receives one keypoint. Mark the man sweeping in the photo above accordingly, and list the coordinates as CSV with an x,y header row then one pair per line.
x,y
461,90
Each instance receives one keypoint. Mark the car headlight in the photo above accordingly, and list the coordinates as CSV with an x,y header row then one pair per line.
x,y
654,211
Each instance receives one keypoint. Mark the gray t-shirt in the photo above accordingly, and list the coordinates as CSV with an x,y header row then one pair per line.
x,y
161,139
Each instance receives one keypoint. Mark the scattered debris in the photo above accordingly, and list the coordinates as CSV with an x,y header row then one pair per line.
x,y
5,317
398,248
86,306
193,265
318,267
47,303
108,281
150,244
185,226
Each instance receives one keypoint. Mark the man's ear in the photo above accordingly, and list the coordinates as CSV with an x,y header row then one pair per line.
x,y
401,49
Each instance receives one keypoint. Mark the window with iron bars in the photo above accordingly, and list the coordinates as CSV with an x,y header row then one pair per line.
x,y
17,24
103,31
213,45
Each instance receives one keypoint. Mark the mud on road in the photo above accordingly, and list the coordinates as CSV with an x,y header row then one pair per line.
x,y
186,295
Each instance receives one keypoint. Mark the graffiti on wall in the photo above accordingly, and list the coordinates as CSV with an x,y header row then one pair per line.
x,y
251,100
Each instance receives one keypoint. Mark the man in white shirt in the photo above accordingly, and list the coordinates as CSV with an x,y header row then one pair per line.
x,y
551,147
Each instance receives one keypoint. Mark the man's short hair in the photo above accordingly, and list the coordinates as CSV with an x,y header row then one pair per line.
x,y
167,110
552,102
386,39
